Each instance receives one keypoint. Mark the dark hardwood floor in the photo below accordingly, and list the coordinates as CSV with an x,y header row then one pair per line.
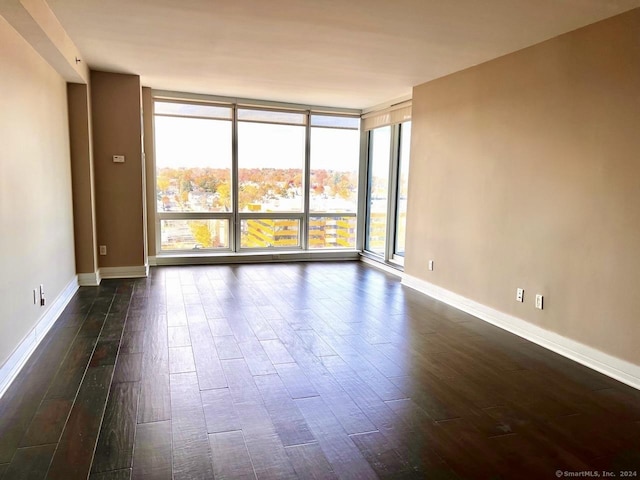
x,y
312,371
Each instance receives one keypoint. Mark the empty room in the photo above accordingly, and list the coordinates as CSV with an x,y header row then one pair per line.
x,y
319,240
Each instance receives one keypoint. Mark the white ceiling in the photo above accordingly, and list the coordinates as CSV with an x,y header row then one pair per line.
x,y
343,53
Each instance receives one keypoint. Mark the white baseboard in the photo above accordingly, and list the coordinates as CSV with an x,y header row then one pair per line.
x,y
11,368
138,271
616,368
152,261
89,279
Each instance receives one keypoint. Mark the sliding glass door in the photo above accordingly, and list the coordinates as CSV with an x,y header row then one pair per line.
x,y
402,190
378,191
387,185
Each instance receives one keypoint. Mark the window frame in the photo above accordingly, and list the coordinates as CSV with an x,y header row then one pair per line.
x,y
395,255
317,213
160,216
388,254
370,142
235,218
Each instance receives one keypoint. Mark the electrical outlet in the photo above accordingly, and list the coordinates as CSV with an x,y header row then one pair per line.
x,y
103,249
539,301
431,265
43,300
520,295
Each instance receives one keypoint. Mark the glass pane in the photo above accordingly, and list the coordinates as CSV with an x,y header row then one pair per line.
x,y
270,161
335,121
194,234
271,116
332,232
270,232
379,150
403,186
192,110
335,156
193,164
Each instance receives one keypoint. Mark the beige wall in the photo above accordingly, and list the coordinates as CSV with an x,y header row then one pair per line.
x,y
525,172
36,243
82,178
117,130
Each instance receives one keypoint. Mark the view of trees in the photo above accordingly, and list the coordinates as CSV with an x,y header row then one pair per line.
x,y
178,234
195,151
202,233
209,189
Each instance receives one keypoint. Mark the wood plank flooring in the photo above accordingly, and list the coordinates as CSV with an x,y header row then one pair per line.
x,y
311,371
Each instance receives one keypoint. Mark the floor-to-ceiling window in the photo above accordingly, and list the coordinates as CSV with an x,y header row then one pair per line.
x,y
333,181
402,189
388,145
271,160
378,189
231,178
194,210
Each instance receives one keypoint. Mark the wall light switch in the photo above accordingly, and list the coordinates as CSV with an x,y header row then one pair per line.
x,y
539,301
118,159
430,264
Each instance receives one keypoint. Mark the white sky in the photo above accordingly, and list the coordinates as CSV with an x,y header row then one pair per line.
x,y
192,142
405,148
380,149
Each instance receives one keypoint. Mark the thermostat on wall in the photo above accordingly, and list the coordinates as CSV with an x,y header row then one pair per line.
x,y
118,159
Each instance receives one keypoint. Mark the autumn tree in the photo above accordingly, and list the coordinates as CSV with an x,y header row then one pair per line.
x,y
283,192
296,181
256,185
182,199
250,193
343,188
163,183
202,234
224,196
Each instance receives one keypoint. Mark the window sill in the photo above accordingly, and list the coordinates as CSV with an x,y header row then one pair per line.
x,y
189,258
378,262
